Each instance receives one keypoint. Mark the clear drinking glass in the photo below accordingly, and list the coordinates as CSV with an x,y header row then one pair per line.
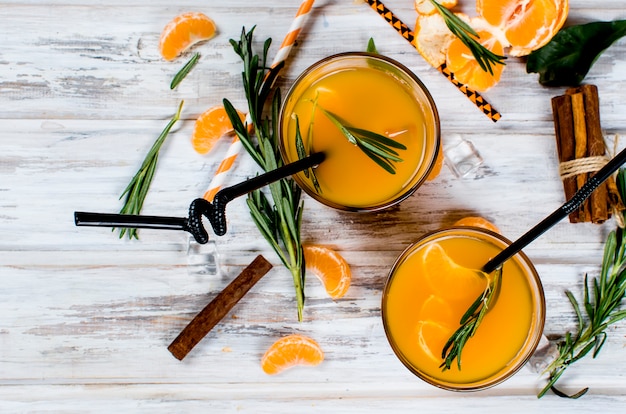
x,y
365,91
428,290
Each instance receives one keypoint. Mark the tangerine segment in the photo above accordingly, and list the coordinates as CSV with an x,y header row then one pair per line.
x,y
478,222
435,308
290,351
527,24
184,31
466,69
210,126
329,267
426,7
449,280
432,337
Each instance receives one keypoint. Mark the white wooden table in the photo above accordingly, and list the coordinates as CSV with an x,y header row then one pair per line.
x,y
86,318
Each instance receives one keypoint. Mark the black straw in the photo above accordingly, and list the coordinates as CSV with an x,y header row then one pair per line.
x,y
214,212
559,214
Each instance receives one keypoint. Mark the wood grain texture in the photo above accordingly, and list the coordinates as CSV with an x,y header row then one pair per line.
x,y
85,318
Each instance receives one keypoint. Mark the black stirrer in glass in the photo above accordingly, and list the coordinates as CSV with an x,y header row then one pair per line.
x,y
559,214
215,212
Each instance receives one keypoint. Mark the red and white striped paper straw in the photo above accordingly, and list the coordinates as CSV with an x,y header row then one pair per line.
x,y
235,147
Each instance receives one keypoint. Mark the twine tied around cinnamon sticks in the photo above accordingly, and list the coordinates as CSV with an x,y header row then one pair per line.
x,y
582,152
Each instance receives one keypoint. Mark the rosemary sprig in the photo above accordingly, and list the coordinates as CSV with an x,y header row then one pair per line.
x,y
485,57
601,304
184,71
279,223
470,321
304,152
139,185
377,147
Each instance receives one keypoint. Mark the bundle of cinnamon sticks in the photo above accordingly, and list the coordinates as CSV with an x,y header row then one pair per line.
x,y
582,151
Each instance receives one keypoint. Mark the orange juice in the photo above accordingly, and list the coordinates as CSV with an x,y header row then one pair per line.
x,y
368,92
424,301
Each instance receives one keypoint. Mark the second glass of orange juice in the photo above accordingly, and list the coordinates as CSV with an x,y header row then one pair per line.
x,y
430,287
370,92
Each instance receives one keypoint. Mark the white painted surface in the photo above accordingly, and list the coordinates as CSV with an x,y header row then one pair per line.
x,y
85,318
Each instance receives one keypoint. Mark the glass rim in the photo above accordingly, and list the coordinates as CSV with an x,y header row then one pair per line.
x,y
527,349
429,104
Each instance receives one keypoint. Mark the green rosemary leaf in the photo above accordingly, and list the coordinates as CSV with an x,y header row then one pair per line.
x,y
267,233
461,29
574,303
289,217
184,71
471,310
382,149
599,343
137,190
336,120
382,162
387,155
389,142
302,152
241,131
374,146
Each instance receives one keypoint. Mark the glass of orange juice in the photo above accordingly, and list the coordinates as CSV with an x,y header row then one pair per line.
x,y
366,91
432,284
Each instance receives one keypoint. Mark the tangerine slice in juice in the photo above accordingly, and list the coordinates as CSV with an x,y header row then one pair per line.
x,y
369,92
430,287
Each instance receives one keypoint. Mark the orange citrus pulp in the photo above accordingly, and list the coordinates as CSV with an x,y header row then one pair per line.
x,y
210,126
184,31
329,267
449,279
290,351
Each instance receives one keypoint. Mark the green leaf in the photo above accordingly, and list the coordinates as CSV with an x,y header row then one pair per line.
x,y
579,316
466,34
380,150
567,58
137,190
184,71
371,46
383,163
373,145
389,142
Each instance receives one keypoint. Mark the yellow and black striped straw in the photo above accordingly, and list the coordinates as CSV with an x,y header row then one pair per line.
x,y
478,100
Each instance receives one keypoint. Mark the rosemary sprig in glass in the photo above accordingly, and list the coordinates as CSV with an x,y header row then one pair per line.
x,y
279,223
485,57
377,147
601,304
139,185
470,321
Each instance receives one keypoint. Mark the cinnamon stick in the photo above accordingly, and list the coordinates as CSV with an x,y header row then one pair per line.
x,y
564,130
595,147
203,322
580,146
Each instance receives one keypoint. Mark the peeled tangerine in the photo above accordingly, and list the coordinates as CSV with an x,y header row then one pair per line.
x,y
519,25
461,62
527,24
